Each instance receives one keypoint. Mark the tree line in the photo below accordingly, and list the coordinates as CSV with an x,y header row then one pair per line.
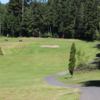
x,y
51,18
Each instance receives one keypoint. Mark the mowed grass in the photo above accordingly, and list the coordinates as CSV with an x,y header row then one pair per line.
x,y
81,77
25,64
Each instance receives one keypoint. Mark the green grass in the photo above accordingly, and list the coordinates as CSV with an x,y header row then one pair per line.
x,y
41,92
25,64
74,96
81,77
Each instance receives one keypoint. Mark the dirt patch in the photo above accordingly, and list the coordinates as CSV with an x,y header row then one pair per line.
x,y
49,46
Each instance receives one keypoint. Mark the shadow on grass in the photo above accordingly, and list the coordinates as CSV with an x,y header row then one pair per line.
x,y
97,46
98,55
94,83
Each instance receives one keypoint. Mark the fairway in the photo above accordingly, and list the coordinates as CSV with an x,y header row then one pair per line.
x,y
25,64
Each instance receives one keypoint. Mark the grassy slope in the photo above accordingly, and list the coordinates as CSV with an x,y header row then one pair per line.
x,y
25,64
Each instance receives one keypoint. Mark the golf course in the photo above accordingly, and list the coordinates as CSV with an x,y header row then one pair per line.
x,y
27,61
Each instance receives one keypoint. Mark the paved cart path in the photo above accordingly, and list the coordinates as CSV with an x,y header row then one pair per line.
x,y
87,93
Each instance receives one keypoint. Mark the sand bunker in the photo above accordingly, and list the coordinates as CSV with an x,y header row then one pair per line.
x,y
49,46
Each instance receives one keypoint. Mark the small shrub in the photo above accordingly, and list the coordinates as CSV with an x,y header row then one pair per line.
x,y
6,39
97,35
81,58
84,65
20,40
72,59
47,35
1,52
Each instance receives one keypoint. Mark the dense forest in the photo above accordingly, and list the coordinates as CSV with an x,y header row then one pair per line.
x,y
51,18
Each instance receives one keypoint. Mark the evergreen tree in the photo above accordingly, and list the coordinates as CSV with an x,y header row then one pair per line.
x,y
61,18
91,19
72,59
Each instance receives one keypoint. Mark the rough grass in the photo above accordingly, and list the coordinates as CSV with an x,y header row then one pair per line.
x,y
25,64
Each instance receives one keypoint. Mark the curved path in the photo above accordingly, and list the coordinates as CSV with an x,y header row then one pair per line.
x,y
87,93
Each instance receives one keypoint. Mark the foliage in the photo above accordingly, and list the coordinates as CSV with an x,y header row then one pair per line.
x,y
81,62
72,59
61,18
82,65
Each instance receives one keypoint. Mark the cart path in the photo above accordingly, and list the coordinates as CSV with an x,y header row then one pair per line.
x,y
87,93
90,93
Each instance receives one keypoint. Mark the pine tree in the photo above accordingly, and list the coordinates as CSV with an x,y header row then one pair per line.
x,y
91,19
64,18
72,59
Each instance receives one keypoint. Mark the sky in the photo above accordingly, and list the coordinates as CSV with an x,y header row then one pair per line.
x,y
4,1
